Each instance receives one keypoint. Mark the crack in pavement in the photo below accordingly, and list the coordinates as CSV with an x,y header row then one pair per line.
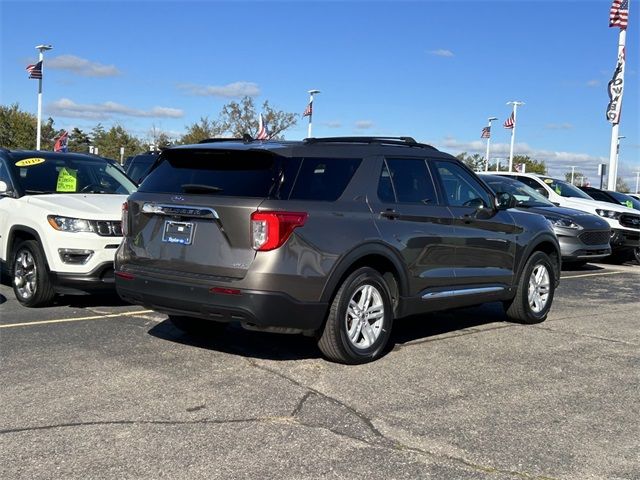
x,y
577,334
384,440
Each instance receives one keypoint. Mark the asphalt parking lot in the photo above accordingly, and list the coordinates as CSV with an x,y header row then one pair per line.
x,y
95,388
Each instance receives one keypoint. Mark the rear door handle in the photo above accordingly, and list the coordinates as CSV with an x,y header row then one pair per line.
x,y
390,214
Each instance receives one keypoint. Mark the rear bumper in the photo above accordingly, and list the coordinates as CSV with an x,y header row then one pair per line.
x,y
259,308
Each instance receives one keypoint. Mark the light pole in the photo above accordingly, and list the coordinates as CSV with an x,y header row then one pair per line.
x,y
614,172
637,180
515,104
490,119
41,49
573,169
310,107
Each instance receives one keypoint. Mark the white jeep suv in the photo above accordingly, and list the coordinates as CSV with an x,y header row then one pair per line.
x,y
60,222
624,222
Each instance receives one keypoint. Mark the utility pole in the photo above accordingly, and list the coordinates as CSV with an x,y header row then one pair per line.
x,y
573,168
515,104
490,119
41,49
309,111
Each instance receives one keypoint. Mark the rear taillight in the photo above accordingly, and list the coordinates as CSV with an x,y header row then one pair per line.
x,y
125,219
269,230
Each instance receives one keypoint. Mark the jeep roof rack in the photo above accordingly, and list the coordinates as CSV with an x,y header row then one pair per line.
x,y
405,141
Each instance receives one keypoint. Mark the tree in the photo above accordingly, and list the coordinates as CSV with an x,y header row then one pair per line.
x,y
576,176
110,141
18,129
475,162
79,141
159,138
241,118
531,165
621,186
201,130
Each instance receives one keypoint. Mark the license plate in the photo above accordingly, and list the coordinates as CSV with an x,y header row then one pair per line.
x,y
178,232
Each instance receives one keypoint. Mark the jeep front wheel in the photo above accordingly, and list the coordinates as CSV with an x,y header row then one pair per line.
x,y
360,319
31,283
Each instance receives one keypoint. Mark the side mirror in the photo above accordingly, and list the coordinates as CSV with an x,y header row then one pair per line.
x,y
505,200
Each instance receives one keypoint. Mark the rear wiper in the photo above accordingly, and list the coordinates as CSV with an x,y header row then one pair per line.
x,y
199,188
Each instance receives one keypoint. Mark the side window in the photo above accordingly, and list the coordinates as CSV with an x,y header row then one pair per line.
x,y
409,178
4,175
461,188
530,182
323,179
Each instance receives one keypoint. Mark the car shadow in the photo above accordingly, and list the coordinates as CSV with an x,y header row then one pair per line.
x,y
235,340
106,299
587,267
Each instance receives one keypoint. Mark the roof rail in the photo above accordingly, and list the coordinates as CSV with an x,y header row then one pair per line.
x,y
406,141
245,138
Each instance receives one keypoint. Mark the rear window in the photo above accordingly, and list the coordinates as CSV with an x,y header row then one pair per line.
x,y
250,174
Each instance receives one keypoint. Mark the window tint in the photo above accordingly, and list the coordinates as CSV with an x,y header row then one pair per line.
x,y
220,172
323,179
409,178
460,187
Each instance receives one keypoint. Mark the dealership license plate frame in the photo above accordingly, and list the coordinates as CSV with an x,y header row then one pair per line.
x,y
180,233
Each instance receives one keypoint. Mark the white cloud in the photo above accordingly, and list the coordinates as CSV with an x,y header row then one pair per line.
x,y
81,66
231,90
593,83
441,53
364,124
558,126
65,107
333,124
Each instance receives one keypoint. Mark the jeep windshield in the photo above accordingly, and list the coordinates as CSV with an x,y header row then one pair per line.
x,y
564,189
68,173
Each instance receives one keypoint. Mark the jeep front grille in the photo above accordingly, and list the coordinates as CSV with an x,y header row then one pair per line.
x,y
108,228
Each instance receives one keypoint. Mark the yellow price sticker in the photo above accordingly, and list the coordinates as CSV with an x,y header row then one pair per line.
x,y
29,162
67,180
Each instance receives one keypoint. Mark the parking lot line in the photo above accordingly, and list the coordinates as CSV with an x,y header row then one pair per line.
x,y
62,320
592,274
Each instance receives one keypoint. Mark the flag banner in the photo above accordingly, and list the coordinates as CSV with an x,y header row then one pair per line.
x,y
309,110
510,122
263,130
486,132
35,71
619,14
519,167
61,142
616,88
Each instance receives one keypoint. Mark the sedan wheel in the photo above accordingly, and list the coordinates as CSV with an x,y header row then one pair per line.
x,y
31,283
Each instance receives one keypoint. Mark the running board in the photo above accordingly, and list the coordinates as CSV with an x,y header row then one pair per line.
x,y
460,292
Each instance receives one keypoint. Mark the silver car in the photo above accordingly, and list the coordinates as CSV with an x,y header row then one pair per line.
x,y
582,236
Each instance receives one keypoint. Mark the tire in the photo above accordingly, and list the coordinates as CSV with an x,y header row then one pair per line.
x,y
197,326
636,254
30,275
534,294
343,339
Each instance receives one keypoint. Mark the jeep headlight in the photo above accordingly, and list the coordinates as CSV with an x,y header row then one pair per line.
x,y
608,213
68,224
563,223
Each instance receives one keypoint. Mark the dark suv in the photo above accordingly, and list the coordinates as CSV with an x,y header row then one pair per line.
x,y
334,237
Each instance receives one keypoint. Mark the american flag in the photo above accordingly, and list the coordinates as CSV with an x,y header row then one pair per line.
x,y
619,13
309,110
61,142
486,132
263,130
35,71
510,122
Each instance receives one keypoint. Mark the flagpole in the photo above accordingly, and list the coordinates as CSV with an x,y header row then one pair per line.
x,y
41,49
615,128
486,165
311,94
513,130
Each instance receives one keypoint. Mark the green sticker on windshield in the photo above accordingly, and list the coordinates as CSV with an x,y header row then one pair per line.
x,y
629,203
558,190
67,180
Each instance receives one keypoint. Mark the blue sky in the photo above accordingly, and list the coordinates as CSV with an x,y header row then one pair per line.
x,y
432,70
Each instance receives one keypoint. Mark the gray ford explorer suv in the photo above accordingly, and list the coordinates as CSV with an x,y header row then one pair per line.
x,y
332,237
